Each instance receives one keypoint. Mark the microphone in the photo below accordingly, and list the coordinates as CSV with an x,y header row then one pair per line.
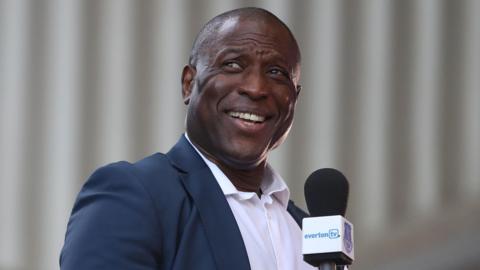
x,y
327,235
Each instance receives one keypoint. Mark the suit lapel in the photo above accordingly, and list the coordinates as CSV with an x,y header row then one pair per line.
x,y
215,213
297,213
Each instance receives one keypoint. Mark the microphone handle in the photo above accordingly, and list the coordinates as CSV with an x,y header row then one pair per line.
x,y
327,266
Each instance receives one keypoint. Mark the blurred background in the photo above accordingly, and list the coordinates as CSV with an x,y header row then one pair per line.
x,y
391,97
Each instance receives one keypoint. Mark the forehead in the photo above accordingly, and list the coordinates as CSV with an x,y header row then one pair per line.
x,y
262,32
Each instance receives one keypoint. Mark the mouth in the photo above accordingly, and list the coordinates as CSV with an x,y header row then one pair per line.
x,y
248,116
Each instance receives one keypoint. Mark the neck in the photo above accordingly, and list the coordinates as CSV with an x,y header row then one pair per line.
x,y
248,180
245,180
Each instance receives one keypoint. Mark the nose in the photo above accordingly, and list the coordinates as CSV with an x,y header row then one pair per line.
x,y
254,86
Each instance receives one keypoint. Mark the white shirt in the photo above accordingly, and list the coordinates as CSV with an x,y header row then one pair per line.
x,y
271,236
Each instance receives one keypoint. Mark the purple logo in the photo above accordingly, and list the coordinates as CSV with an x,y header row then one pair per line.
x,y
347,239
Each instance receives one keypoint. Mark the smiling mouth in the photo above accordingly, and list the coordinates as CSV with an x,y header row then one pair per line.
x,y
248,116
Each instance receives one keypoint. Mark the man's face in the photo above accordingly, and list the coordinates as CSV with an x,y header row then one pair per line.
x,y
242,92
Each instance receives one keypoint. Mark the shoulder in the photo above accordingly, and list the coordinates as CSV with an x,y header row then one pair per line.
x,y
147,167
112,210
152,170
120,184
152,178
124,203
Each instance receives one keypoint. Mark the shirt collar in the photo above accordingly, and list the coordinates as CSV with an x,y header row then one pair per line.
x,y
273,185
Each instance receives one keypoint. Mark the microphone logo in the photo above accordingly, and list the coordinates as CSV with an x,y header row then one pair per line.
x,y
347,239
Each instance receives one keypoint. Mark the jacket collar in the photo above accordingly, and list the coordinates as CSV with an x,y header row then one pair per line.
x,y
215,213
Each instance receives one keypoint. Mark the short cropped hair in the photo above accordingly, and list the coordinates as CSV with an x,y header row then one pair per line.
x,y
205,38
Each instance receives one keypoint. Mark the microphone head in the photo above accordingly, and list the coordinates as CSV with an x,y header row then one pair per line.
x,y
326,193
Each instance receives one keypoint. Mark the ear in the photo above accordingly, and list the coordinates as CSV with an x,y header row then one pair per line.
x,y
298,89
188,74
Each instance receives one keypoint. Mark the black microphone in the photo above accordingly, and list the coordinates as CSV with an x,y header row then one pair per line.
x,y
327,235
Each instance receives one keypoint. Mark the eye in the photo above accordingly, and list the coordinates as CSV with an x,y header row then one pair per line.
x,y
232,66
276,71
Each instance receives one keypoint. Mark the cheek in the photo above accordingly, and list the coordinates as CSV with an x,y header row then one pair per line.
x,y
206,104
223,84
217,89
286,101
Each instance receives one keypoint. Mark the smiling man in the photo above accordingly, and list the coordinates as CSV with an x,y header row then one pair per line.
x,y
211,202
241,87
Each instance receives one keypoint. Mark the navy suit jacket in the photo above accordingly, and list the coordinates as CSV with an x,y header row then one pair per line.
x,y
163,212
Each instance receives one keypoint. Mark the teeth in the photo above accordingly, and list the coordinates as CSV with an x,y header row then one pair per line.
x,y
247,116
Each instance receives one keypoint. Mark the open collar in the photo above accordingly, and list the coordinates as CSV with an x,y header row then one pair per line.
x,y
273,185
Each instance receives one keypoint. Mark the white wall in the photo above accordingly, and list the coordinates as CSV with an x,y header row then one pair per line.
x,y
391,96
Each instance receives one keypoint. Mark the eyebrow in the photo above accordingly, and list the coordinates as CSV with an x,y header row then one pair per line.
x,y
240,50
229,50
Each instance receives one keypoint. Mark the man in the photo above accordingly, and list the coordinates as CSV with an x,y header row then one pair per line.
x,y
212,202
